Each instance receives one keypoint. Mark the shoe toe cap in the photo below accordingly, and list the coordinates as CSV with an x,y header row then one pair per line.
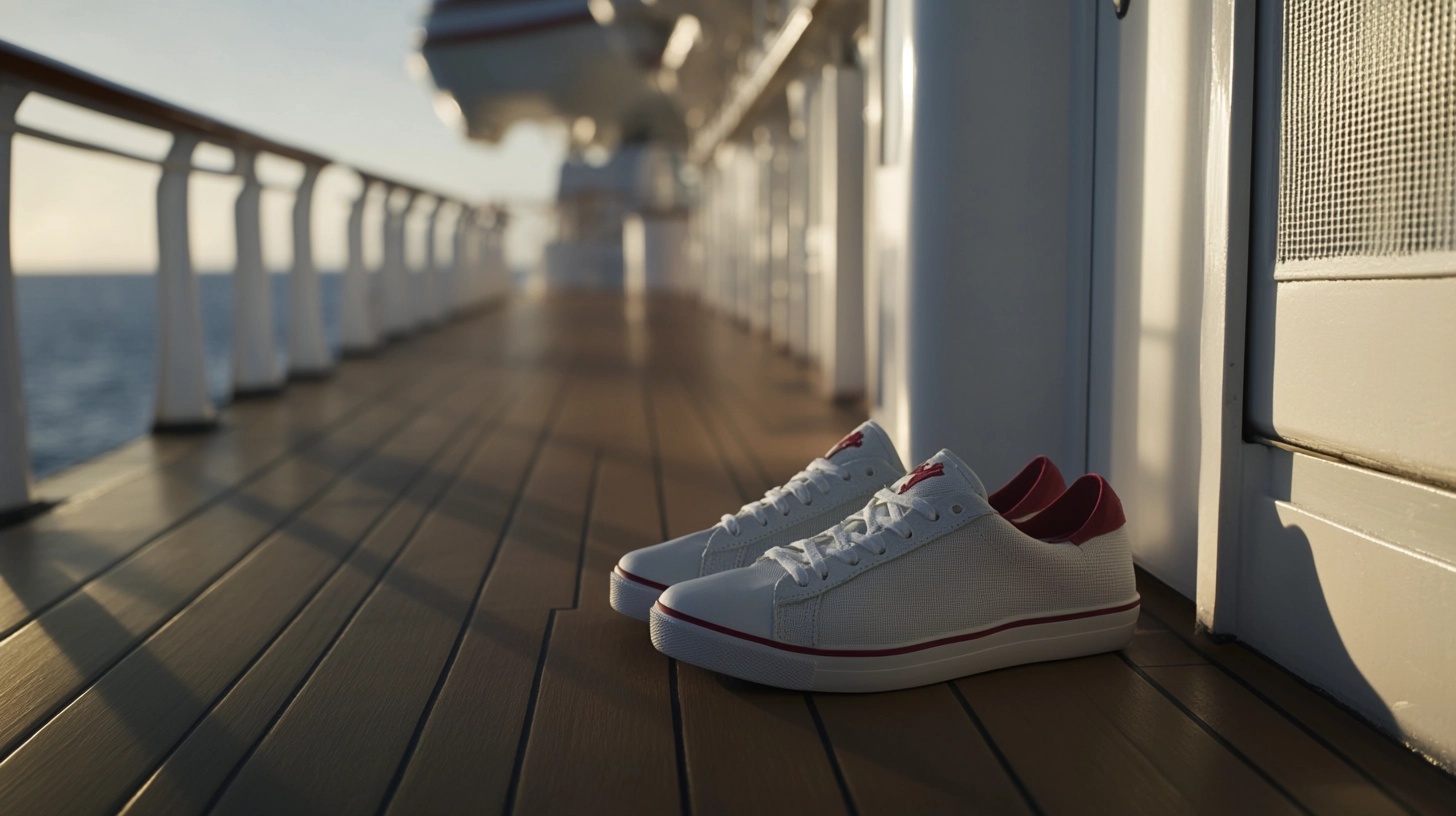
x,y
740,599
668,563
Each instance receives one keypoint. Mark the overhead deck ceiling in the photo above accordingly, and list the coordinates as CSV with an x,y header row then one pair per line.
x,y
618,70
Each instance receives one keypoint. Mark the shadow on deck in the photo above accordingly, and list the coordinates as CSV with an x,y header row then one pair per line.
x,y
387,593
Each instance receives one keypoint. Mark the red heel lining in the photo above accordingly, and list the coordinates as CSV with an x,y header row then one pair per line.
x,y
1036,486
1089,508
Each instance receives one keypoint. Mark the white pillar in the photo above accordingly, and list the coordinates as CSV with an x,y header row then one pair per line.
x,y
358,329
431,304
308,345
460,263
398,302
14,445
839,231
255,355
182,399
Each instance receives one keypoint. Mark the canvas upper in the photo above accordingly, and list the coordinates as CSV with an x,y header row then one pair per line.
x,y
930,558
830,488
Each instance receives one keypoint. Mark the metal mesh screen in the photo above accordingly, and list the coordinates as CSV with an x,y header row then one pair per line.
x,y
1367,163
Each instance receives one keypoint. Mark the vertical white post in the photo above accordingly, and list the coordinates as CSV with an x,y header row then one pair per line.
x,y
398,308
255,356
431,305
308,346
14,445
460,267
359,333
182,399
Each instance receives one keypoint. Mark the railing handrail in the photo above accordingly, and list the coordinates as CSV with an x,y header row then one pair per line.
x,y
55,78
375,306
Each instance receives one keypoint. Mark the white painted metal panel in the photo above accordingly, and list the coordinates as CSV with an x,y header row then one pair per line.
x,y
1147,280
1365,370
1349,580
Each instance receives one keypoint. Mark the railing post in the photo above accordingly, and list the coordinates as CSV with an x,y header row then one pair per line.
x,y
398,299
460,265
430,284
15,498
255,357
358,330
182,399
308,346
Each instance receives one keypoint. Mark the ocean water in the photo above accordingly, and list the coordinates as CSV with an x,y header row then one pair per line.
x,y
88,347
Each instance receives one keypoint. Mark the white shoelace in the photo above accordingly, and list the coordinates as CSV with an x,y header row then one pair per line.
x,y
817,475
886,512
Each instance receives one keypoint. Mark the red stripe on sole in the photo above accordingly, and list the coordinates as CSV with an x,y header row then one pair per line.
x,y
899,650
643,581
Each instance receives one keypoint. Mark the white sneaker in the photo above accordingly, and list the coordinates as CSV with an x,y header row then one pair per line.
x,y
926,583
826,491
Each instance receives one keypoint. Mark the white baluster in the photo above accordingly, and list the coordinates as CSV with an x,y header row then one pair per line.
x,y
308,346
460,264
15,498
255,356
358,330
430,310
397,308
182,398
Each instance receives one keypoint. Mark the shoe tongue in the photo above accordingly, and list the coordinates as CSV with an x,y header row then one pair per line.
x,y
868,441
942,475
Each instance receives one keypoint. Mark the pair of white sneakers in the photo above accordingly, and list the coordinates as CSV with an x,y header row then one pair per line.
x,y
837,582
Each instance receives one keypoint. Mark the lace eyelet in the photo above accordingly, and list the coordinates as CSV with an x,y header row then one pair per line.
x,y
909,534
935,517
956,508
846,477
854,563
869,471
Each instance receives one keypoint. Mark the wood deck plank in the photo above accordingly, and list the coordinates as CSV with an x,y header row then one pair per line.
x,y
336,748
1416,784
733,730
51,659
1090,736
111,736
340,604
113,517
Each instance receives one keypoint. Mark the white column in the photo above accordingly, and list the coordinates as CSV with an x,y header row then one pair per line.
x,y
398,308
358,330
14,446
460,264
308,345
182,399
432,305
255,355
840,232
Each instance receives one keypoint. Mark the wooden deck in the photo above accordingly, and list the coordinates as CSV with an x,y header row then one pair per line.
x,y
387,593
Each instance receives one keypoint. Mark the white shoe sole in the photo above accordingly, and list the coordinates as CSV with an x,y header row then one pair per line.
x,y
631,597
1052,637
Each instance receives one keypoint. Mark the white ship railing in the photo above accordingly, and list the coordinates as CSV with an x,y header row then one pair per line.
x,y
398,305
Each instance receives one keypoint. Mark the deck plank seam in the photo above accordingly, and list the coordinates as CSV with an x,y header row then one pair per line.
x,y
1214,734
1304,728
839,779
1001,758
477,439
679,744
586,519
141,638
252,478
513,788
338,635
743,490
552,416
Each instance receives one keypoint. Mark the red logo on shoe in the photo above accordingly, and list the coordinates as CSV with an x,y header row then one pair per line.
x,y
854,440
922,471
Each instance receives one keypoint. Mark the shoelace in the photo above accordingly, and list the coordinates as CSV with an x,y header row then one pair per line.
x,y
817,474
886,512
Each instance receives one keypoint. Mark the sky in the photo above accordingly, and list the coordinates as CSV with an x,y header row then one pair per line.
x,y
332,76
